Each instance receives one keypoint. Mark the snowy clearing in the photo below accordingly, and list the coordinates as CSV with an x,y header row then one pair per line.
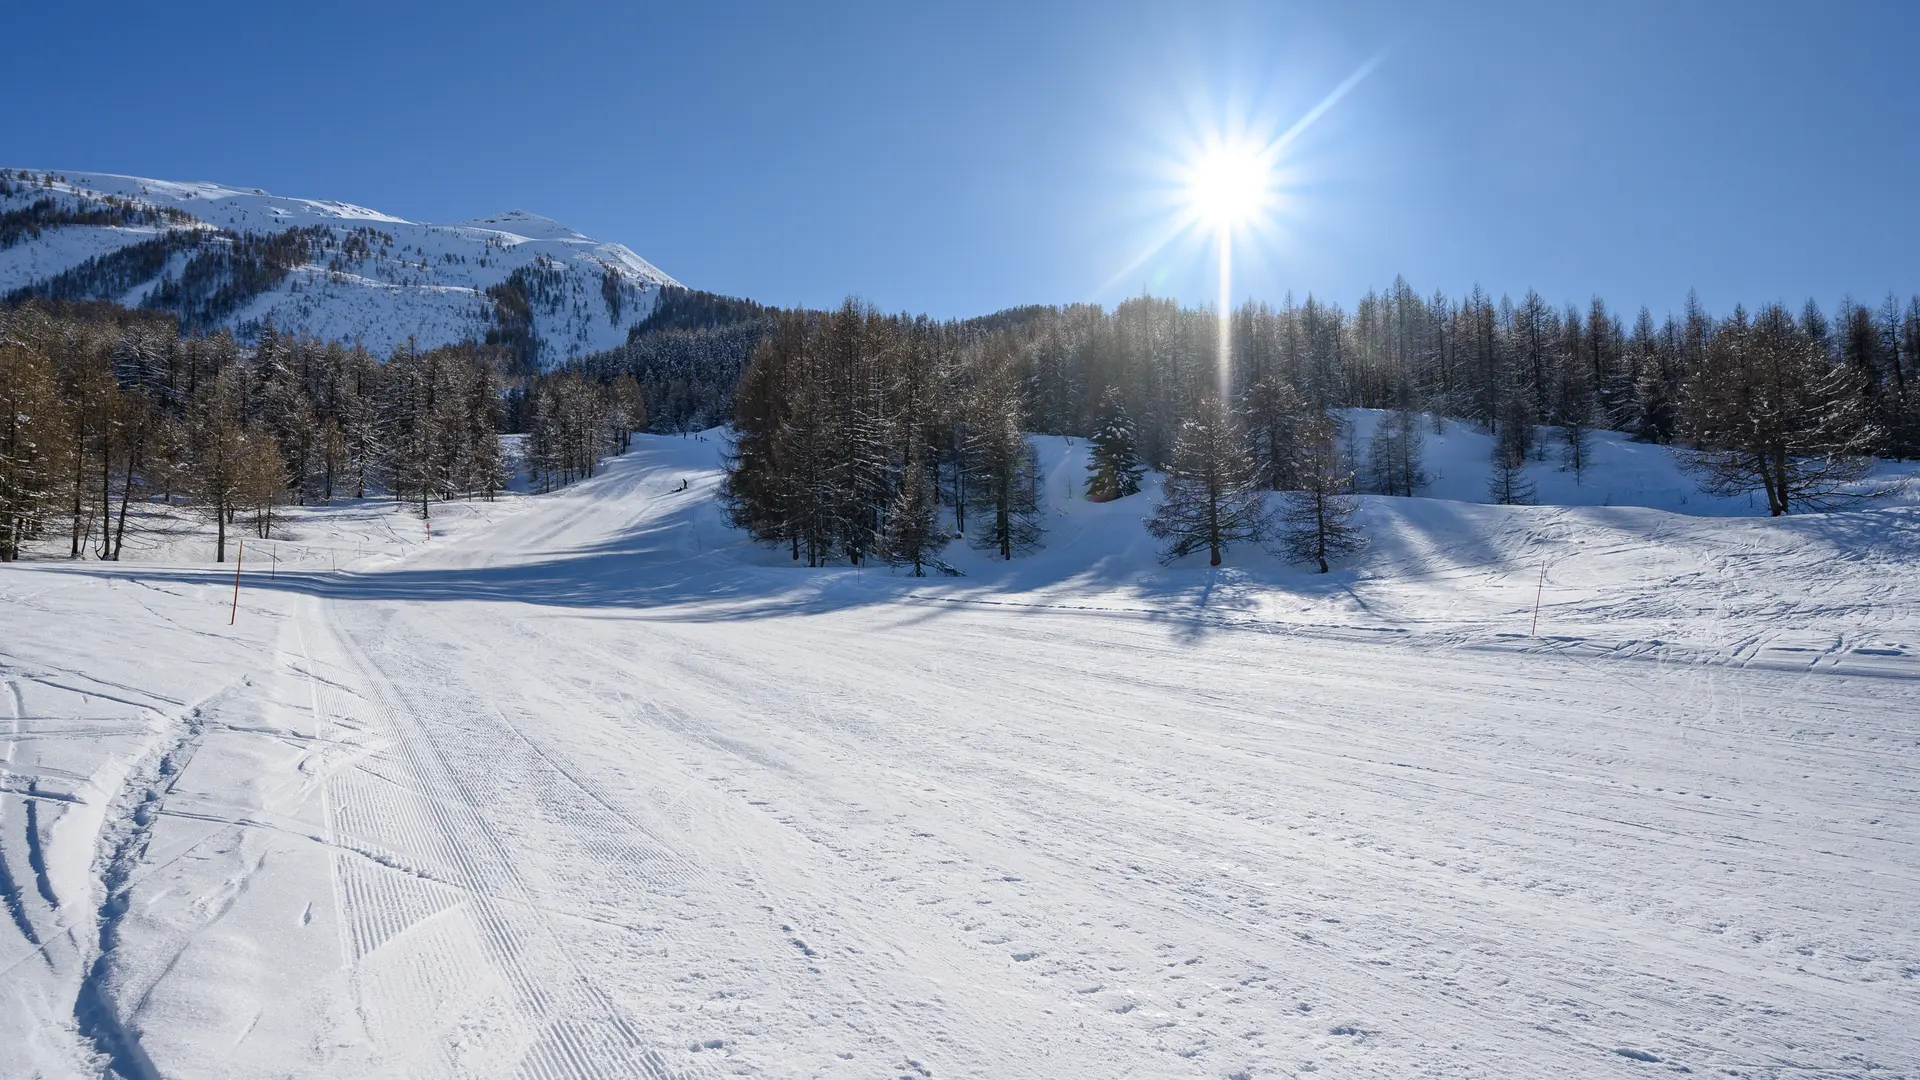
x,y
583,786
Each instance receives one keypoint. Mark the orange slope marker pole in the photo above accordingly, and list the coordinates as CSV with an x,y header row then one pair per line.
x,y
238,557
1537,594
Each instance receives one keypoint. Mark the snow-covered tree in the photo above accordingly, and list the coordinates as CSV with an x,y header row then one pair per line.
x,y
1006,481
1573,410
1114,466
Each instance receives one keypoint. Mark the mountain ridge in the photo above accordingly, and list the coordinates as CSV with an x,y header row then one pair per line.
x,y
243,259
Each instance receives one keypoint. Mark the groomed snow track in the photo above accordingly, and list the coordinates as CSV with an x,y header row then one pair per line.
x,y
589,789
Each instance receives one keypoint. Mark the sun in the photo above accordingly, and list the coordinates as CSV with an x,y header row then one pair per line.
x,y
1229,185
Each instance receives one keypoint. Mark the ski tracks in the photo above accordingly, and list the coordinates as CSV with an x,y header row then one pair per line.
x,y
462,941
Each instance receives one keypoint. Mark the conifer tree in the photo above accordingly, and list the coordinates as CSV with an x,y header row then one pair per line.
x,y
1394,454
1212,497
912,536
1114,467
1512,444
1316,517
1767,412
1654,357
220,470
262,480
33,444
1006,481
1573,411
1273,410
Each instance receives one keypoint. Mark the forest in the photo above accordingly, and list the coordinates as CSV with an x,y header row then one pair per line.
x,y
852,427
860,435
107,413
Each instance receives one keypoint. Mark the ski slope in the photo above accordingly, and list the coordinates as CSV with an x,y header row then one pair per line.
x,y
584,786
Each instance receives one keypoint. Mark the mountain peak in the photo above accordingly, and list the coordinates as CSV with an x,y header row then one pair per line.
x,y
524,223
358,274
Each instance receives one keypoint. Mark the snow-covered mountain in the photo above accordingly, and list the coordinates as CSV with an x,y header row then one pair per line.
x,y
220,256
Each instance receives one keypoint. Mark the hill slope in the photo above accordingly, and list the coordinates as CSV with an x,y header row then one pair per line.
x,y
220,256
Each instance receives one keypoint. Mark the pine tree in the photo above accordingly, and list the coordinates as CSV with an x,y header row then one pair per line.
x,y
1212,497
1316,518
1114,467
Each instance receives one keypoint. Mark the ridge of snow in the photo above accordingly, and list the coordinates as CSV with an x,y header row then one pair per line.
x,y
525,224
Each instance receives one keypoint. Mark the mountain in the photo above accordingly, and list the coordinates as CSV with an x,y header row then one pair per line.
x,y
243,259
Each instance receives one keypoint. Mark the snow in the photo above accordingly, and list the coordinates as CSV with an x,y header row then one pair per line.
x,y
585,785
385,298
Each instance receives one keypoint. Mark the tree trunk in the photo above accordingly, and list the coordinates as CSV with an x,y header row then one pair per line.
x,y
106,500
79,483
126,493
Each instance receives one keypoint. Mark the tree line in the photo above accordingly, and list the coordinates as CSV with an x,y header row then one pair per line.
x,y
853,429
860,435
107,413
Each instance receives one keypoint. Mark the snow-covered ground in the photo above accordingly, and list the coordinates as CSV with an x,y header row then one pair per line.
x,y
583,785
412,280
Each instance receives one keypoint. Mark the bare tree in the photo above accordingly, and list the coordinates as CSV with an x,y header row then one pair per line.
x,y
1767,411
1316,518
1212,497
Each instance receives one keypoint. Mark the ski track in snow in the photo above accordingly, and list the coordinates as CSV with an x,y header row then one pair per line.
x,y
595,798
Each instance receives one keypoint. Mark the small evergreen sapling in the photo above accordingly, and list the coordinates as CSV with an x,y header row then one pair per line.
x,y
1114,469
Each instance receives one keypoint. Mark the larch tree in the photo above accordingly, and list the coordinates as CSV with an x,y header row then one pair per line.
x,y
1212,497
1395,454
912,536
1768,412
34,444
1513,443
1317,516
1274,411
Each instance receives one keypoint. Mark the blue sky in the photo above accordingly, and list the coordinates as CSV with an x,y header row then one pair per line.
x,y
957,159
